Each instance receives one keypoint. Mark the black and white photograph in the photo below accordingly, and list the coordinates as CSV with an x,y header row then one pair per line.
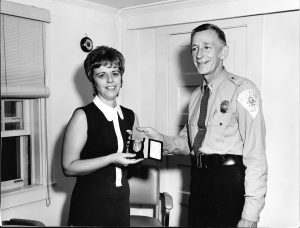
x,y
144,113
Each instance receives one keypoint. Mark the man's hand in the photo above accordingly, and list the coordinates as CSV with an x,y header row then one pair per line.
x,y
246,223
151,133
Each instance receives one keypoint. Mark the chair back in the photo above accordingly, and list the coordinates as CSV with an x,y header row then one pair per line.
x,y
144,185
145,194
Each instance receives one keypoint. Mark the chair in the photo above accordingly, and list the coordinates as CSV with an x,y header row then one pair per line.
x,y
22,222
144,193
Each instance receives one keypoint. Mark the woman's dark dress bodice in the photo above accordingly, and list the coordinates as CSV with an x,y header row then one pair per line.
x,y
96,201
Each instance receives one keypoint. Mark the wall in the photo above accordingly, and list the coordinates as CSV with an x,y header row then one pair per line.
x,y
279,85
280,88
70,21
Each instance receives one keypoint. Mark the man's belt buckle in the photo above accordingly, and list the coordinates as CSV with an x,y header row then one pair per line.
x,y
213,161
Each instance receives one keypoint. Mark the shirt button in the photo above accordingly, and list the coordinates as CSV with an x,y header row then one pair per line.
x,y
221,124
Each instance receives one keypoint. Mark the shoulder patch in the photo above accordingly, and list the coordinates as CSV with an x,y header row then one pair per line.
x,y
250,101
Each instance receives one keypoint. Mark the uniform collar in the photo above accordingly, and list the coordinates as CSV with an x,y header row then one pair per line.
x,y
214,84
109,112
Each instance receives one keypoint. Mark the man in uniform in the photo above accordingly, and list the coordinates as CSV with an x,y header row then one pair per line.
x,y
225,136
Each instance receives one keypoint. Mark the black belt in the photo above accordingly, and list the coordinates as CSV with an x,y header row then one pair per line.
x,y
202,160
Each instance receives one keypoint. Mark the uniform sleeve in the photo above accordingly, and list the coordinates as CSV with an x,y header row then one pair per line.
x,y
252,130
177,144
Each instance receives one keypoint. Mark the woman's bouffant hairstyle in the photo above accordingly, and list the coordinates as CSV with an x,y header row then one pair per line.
x,y
207,26
103,56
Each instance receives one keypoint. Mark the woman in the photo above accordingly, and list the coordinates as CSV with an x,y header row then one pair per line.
x,y
94,146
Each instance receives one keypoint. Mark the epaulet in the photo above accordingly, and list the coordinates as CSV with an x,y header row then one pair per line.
x,y
238,81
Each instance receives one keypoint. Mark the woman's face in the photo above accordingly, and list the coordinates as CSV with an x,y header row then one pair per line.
x,y
107,81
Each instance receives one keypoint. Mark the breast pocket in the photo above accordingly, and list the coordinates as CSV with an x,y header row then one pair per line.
x,y
218,124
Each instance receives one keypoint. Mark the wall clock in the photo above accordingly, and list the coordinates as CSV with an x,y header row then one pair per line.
x,y
86,44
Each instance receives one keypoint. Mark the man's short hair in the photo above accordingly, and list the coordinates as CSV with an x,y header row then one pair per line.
x,y
208,26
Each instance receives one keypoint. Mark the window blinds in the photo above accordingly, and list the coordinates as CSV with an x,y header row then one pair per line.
x,y
22,58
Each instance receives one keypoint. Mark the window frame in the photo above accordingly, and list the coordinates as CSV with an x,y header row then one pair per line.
x,y
23,135
22,181
35,132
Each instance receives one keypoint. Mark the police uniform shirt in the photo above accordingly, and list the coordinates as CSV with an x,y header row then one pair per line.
x,y
235,125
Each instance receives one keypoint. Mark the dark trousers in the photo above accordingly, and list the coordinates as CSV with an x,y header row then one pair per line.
x,y
217,196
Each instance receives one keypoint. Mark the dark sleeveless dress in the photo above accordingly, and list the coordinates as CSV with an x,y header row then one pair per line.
x,y
96,201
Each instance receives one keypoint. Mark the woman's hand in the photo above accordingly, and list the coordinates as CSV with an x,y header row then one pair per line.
x,y
124,159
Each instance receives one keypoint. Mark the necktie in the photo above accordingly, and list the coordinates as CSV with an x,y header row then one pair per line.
x,y
201,125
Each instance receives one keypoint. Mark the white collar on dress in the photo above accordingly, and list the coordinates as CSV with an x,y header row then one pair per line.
x,y
109,112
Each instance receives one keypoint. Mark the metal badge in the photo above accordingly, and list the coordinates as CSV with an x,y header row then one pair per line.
x,y
224,106
137,145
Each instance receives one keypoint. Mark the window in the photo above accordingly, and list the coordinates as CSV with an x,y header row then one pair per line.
x,y
15,150
23,98
22,143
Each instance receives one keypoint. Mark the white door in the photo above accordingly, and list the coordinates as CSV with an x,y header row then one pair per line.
x,y
182,79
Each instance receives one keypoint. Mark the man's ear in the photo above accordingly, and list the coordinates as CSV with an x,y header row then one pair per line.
x,y
224,52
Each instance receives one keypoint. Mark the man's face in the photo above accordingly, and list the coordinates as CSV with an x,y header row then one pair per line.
x,y
208,53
